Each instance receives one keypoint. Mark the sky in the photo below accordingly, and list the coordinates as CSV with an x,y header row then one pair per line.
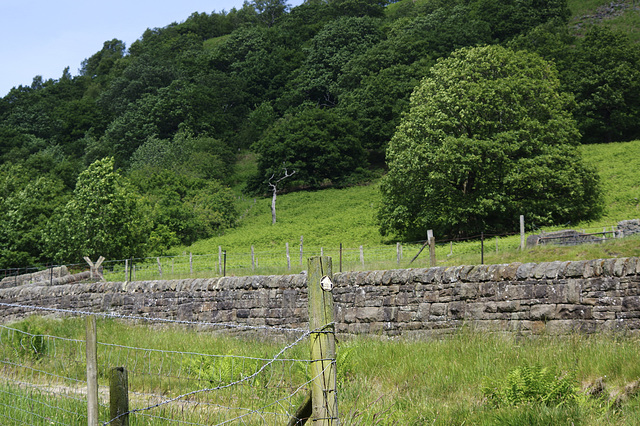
x,y
43,37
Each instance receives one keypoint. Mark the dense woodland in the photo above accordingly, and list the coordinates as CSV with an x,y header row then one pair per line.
x,y
136,153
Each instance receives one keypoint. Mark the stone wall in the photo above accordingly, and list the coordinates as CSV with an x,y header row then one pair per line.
x,y
554,297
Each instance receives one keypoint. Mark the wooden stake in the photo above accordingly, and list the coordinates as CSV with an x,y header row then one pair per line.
x,y
92,371
432,248
521,232
323,344
119,397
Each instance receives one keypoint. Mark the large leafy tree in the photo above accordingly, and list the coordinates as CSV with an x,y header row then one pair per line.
x,y
102,219
487,138
321,146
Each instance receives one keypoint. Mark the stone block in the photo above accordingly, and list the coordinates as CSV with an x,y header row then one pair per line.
x,y
438,309
566,311
509,306
457,310
525,271
369,314
543,312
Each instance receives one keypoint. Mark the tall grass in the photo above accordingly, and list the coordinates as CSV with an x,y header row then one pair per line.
x,y
384,381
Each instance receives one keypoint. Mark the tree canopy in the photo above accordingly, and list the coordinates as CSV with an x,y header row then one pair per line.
x,y
319,88
488,137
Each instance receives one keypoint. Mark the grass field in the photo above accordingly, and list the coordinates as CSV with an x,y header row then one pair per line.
x,y
467,378
330,217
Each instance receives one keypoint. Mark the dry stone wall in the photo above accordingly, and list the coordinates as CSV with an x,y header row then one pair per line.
x,y
555,297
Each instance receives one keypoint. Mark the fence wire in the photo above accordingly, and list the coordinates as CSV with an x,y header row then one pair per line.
x,y
43,377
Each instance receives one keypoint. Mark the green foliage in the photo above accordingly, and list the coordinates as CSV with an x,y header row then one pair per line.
x,y
488,138
532,384
29,340
321,146
182,208
102,219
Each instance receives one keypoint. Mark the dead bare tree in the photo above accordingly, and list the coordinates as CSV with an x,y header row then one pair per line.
x,y
274,188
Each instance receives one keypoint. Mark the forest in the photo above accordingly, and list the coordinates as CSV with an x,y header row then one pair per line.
x,y
138,152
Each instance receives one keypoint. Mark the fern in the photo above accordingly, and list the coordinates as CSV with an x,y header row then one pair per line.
x,y
532,384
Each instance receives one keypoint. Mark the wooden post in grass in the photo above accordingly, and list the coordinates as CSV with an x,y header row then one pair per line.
x,y
253,260
521,232
190,264
432,248
323,343
219,260
119,397
398,253
362,256
288,257
92,371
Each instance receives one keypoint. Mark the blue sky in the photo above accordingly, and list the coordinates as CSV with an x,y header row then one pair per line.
x,y
43,37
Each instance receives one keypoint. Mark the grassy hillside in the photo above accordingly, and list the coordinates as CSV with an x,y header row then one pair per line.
x,y
621,15
333,216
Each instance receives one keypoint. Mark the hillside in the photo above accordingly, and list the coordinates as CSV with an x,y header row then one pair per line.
x,y
333,216
319,88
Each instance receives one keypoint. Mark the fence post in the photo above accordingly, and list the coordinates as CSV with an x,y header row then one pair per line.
x,y
253,260
301,241
159,267
398,256
288,257
126,269
190,263
119,397
521,232
340,257
482,248
362,256
323,344
92,370
219,260
432,248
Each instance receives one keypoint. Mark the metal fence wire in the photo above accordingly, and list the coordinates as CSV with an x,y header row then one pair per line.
x,y
43,378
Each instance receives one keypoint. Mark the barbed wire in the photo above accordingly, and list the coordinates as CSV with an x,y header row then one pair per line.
x,y
225,386
154,319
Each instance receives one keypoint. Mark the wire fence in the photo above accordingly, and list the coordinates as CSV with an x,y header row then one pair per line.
x,y
44,377
290,259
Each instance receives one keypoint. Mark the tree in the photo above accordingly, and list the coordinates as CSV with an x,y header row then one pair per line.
x,y
487,138
321,146
273,184
102,219
605,78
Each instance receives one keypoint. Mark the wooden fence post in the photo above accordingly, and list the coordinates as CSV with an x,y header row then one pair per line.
x,y
323,344
92,371
190,264
126,269
398,253
119,397
521,232
432,248
159,267
362,256
219,260
288,257
301,241
253,260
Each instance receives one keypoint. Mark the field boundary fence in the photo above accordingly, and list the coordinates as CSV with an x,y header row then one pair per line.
x,y
289,259
96,378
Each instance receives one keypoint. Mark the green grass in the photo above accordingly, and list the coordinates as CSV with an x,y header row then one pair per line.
x,y
329,217
627,22
380,381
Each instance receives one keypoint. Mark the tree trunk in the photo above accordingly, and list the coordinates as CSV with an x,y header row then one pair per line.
x,y
273,206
